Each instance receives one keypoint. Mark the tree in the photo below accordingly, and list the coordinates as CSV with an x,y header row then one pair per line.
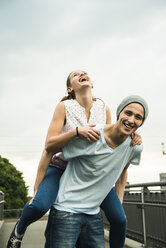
x,y
13,185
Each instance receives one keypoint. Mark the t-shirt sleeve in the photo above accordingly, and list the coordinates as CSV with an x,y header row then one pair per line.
x,y
136,157
78,147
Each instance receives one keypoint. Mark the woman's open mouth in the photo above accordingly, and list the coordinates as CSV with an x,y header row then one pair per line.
x,y
83,79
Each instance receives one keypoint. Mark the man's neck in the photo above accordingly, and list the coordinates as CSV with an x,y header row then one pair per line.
x,y
112,136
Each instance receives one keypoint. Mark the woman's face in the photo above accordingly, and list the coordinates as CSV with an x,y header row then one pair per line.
x,y
78,80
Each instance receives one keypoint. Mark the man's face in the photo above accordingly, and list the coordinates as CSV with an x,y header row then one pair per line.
x,y
131,118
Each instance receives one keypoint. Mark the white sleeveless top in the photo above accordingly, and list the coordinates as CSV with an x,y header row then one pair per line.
x,y
76,117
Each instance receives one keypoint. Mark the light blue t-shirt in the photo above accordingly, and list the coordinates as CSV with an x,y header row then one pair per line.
x,y
92,171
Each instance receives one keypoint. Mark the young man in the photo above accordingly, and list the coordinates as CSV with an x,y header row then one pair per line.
x,y
92,171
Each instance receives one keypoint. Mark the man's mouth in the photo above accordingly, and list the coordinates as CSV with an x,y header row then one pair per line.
x,y
128,126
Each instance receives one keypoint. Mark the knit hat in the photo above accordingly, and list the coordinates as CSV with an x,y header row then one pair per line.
x,y
132,99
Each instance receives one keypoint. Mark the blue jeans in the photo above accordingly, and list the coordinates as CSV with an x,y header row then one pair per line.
x,y
43,200
46,195
115,214
64,228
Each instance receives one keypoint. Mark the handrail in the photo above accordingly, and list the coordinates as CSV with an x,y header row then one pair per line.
x,y
160,183
146,204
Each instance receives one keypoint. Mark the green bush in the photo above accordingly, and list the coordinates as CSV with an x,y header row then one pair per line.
x,y
13,185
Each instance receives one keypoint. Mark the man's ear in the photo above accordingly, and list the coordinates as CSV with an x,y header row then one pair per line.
x,y
91,85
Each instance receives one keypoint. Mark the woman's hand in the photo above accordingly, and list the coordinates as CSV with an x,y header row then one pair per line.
x,y
89,133
136,139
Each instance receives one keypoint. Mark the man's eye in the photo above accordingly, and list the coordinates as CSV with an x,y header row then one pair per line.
x,y
138,117
128,113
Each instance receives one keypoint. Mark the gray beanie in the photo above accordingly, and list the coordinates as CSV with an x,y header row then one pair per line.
x,y
132,99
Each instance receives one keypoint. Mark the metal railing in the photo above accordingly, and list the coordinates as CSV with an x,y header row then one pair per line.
x,y
12,213
145,209
1,204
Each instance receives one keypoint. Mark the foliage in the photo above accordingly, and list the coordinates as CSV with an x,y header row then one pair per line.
x,y
13,185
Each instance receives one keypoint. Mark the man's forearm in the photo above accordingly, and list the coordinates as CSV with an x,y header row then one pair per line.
x,y
121,183
119,188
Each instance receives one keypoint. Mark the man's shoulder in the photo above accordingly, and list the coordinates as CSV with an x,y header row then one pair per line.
x,y
137,148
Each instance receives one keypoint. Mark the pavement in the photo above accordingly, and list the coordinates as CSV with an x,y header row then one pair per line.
x,y
34,236
128,242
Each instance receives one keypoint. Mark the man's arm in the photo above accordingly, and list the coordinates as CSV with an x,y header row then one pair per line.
x,y
121,183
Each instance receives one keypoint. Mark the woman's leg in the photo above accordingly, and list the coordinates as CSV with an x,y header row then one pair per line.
x,y
114,212
43,200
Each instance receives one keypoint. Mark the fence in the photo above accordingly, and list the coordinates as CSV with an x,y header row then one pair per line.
x,y
12,213
145,209
1,204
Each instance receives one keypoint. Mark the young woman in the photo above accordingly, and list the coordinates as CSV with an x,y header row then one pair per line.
x,y
75,115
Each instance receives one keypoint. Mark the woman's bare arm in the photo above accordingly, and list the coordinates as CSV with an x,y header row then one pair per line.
x,y
108,115
55,141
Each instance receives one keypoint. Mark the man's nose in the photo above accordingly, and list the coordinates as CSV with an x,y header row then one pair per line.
x,y
131,119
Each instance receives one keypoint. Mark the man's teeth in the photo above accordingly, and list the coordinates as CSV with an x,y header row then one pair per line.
x,y
128,126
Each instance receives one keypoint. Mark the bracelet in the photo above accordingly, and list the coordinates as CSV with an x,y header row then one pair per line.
x,y
77,131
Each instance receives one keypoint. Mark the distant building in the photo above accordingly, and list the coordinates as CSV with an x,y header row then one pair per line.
x,y
163,178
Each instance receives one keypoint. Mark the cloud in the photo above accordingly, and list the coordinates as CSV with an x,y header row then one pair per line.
x,y
121,44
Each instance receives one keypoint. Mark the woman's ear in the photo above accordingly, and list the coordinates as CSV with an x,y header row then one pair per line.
x,y
69,89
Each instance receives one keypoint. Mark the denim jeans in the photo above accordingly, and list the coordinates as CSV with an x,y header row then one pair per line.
x,y
115,214
64,228
46,196
43,200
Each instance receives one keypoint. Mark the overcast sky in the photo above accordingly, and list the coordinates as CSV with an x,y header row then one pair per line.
x,y
121,44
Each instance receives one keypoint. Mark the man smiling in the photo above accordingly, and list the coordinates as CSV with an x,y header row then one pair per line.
x,y
92,171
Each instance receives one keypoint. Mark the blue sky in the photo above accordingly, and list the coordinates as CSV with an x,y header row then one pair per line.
x,y
121,44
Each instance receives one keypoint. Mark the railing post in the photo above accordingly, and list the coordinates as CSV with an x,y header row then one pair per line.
x,y
1,204
143,215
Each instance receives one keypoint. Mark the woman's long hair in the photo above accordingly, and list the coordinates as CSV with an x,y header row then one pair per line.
x,y
71,95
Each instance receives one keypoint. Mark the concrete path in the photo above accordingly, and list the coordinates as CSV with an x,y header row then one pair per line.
x,y
34,236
